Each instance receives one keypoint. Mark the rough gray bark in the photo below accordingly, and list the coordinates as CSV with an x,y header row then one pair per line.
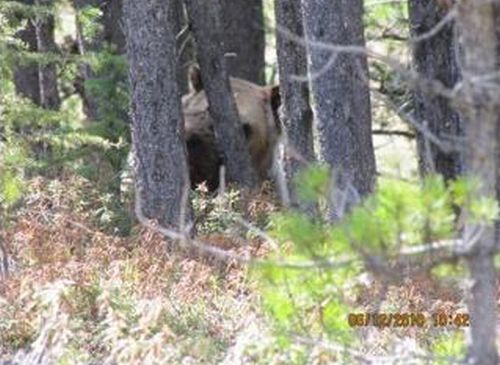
x,y
434,58
341,98
205,24
39,82
297,120
244,35
157,120
478,22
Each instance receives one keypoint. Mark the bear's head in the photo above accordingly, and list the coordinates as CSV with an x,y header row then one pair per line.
x,y
258,110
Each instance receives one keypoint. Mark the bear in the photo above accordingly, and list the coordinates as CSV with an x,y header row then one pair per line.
x,y
258,110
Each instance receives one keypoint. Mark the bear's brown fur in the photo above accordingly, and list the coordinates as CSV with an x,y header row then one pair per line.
x,y
257,107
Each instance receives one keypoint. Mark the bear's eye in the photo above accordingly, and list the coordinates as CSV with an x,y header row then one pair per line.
x,y
247,129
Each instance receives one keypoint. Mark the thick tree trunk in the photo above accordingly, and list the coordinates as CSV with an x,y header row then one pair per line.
x,y
297,120
206,27
434,58
478,21
341,98
244,38
157,120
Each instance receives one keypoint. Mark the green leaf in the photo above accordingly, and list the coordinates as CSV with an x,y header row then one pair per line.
x,y
11,189
313,182
484,210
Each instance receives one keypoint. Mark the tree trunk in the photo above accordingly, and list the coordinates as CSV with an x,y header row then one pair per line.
x,y
292,60
206,27
157,120
113,32
26,77
478,22
39,82
434,58
184,46
110,34
244,38
341,98
47,74
85,46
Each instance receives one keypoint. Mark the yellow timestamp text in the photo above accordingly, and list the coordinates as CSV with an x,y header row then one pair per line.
x,y
408,319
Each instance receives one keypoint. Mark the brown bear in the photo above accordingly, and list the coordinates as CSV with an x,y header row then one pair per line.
x,y
257,107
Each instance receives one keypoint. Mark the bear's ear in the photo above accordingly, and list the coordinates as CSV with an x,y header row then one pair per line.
x,y
195,78
275,97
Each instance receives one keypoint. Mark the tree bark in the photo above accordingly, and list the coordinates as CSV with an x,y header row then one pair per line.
x,y
206,27
244,36
434,58
478,22
297,119
341,98
157,120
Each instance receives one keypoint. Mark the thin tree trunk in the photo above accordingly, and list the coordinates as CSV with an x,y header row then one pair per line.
x,y
292,60
157,120
184,46
111,34
206,27
38,82
434,58
341,99
244,38
47,74
26,77
478,22
85,46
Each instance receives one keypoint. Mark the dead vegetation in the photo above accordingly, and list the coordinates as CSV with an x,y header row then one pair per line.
x,y
79,294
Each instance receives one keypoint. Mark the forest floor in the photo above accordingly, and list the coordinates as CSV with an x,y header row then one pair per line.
x,y
77,294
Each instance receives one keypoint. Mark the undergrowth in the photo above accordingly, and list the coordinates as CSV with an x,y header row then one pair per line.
x,y
76,293
79,294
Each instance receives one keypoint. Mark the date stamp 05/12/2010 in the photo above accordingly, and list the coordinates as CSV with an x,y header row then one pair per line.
x,y
402,320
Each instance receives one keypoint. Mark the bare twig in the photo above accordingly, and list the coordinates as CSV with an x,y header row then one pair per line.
x,y
448,18
5,258
388,132
185,240
445,146
432,87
